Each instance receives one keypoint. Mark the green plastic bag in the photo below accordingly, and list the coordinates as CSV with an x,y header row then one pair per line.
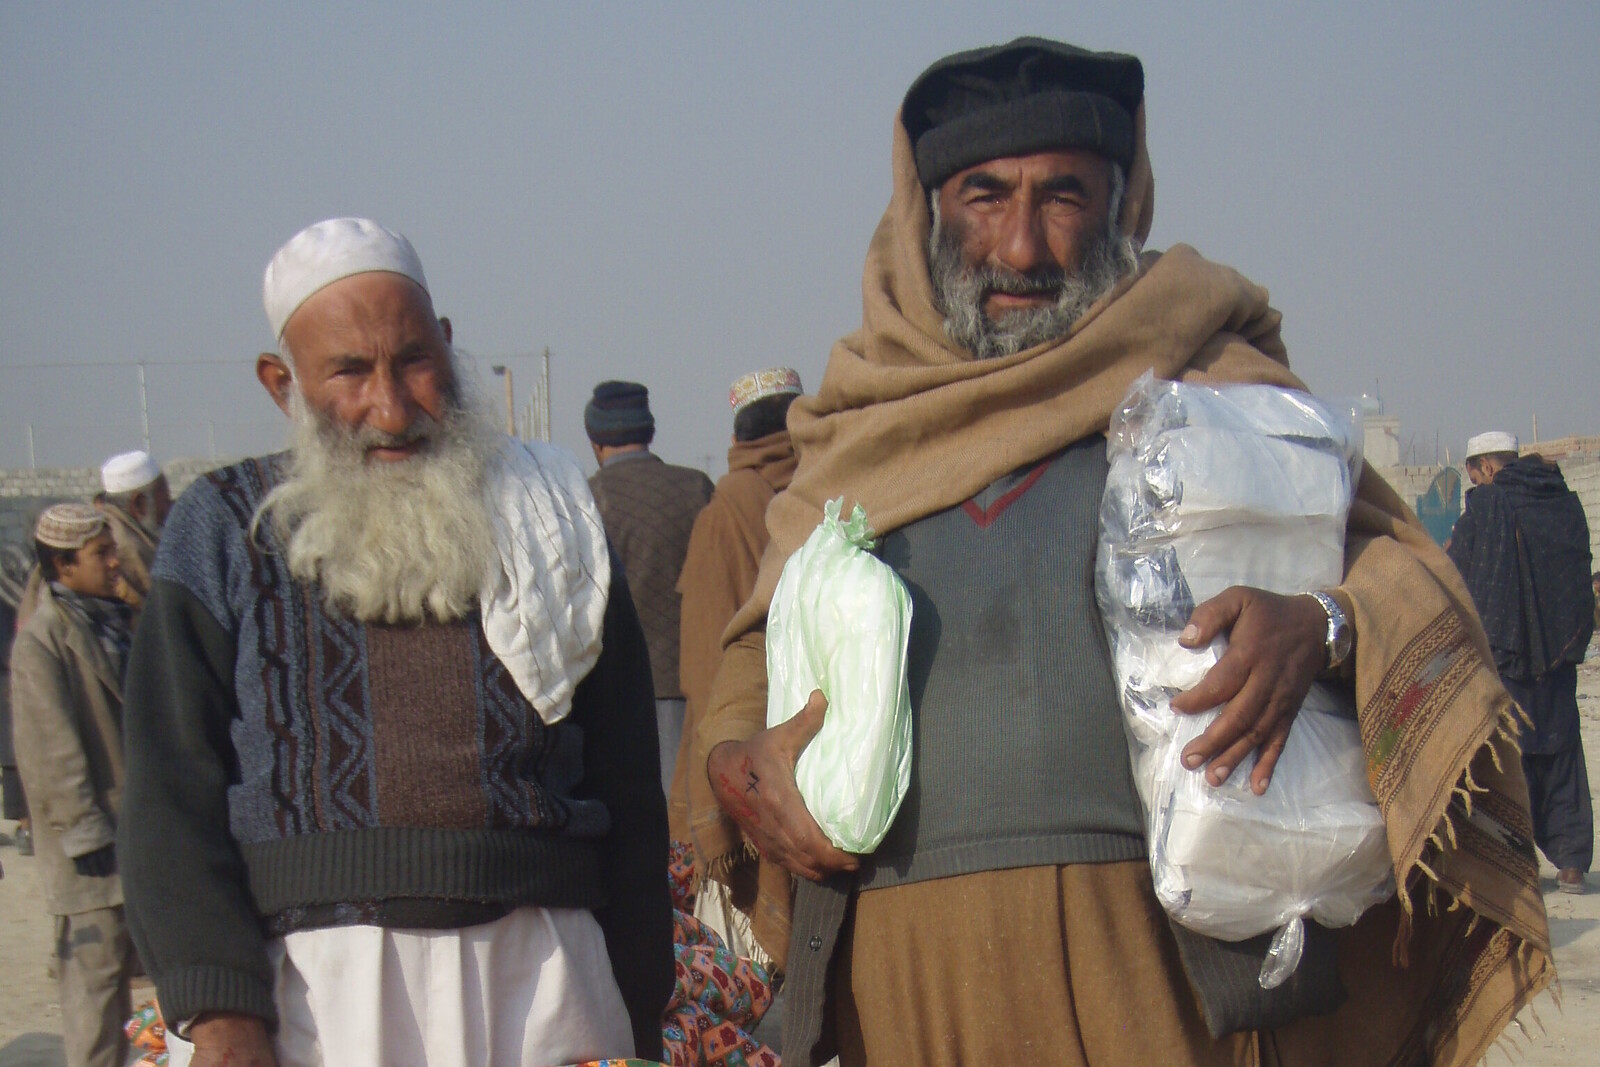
x,y
839,622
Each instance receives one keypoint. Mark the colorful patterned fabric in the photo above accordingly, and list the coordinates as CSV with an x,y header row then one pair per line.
x,y
717,1001
147,1032
680,874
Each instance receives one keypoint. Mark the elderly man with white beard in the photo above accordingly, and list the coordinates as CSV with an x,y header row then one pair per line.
x,y
392,760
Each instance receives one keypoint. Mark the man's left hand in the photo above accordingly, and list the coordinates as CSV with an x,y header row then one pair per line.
x,y
1276,647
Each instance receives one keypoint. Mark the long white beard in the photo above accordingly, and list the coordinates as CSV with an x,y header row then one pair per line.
x,y
388,542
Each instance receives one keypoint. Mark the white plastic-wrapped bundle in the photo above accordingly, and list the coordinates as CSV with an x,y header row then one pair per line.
x,y
839,622
1211,488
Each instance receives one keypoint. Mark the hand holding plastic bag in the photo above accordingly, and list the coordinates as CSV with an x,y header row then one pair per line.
x,y
839,622
1211,488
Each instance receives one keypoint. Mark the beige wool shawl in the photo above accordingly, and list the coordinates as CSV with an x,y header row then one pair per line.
x,y
907,424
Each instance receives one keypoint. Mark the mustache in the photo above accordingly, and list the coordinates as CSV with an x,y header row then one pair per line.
x,y
424,429
358,440
1042,281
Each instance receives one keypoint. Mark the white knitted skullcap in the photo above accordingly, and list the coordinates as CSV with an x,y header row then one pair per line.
x,y
321,254
1493,441
127,471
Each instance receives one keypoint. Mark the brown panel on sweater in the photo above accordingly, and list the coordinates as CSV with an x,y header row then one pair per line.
x,y
425,726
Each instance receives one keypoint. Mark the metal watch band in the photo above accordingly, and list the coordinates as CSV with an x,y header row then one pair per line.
x,y
1337,642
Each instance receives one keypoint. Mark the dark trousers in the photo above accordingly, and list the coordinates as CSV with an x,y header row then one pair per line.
x,y
13,803
1563,814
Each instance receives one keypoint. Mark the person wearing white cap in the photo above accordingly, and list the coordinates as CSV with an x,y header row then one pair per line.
x,y
1522,544
719,573
136,500
392,791
66,679
1487,453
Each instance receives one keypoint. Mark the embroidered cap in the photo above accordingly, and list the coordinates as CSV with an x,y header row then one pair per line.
x,y
69,526
758,385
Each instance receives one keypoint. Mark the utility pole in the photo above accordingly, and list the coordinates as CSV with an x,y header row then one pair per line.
x,y
144,409
544,395
503,371
31,464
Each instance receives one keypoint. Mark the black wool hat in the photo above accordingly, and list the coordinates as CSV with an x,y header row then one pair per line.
x,y
1031,95
619,414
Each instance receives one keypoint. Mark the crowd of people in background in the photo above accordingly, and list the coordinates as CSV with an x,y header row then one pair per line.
x,y
66,655
411,743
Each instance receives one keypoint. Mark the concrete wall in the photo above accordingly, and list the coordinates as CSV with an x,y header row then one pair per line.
x,y
1583,477
1581,470
24,493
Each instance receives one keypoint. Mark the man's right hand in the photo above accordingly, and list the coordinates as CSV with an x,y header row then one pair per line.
x,y
224,1039
754,782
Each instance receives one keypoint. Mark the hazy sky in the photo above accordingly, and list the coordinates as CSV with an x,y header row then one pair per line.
x,y
680,193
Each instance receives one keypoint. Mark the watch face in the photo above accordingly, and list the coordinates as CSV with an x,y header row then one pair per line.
x,y
1340,642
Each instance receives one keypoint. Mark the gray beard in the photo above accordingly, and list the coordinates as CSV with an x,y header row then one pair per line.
x,y
388,542
960,289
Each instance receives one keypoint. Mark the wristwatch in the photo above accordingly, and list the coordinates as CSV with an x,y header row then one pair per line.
x,y
1340,636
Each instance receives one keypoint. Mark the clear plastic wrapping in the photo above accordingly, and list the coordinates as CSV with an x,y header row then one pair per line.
x,y
839,622
1210,488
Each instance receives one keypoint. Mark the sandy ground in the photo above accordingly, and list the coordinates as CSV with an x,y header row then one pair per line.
x,y
1563,1035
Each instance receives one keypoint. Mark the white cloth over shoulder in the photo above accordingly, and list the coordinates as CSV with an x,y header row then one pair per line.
x,y
544,605
532,989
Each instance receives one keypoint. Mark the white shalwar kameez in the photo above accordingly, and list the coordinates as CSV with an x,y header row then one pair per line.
x,y
533,989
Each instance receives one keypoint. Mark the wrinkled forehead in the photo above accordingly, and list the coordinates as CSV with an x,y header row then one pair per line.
x,y
1082,166
374,313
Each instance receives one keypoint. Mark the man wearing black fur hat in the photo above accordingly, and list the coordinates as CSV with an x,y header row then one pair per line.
x,y
1009,916
648,507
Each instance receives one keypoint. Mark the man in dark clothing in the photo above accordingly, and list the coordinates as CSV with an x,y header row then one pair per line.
x,y
649,508
13,805
1522,544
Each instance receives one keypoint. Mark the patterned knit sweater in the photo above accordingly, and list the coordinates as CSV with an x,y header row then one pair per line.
x,y
289,767
649,508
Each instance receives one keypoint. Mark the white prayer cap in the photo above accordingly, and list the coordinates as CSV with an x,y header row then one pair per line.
x,y
1493,441
321,254
127,471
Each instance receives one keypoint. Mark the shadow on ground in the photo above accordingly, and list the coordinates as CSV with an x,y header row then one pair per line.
x,y
33,1050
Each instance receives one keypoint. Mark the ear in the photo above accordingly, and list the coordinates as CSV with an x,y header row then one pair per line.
x,y
276,378
445,328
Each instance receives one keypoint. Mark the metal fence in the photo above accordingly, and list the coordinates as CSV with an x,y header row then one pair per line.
x,y
73,414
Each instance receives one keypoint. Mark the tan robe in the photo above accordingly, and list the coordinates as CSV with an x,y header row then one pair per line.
x,y
136,552
718,574
907,424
